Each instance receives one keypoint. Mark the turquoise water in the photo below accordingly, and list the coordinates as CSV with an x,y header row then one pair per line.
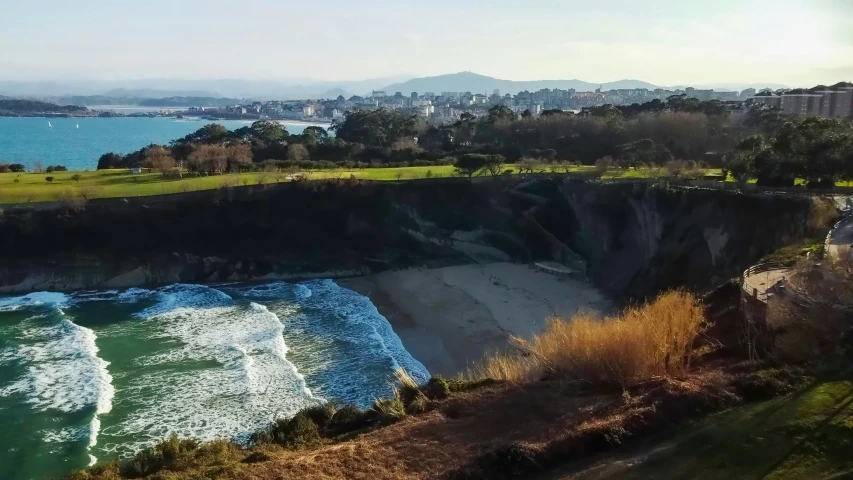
x,y
100,374
77,143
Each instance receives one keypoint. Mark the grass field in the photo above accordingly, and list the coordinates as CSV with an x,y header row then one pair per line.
x,y
32,187
805,435
18,188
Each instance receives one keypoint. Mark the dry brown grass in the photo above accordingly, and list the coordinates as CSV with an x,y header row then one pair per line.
x,y
643,342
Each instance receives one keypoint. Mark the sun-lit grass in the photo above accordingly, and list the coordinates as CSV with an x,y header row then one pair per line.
x,y
643,342
85,185
33,187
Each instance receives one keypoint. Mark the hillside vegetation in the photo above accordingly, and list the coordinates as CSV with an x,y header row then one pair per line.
x,y
486,428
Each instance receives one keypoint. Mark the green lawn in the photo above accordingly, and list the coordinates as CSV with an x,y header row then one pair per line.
x,y
805,435
32,187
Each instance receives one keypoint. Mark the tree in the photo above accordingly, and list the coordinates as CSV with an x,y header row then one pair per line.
x,y
210,134
528,165
110,160
49,179
239,156
376,128
313,136
675,167
526,114
501,113
297,152
76,177
209,159
159,158
494,164
471,163
17,168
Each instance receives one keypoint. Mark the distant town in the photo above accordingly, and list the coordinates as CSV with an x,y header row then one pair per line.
x,y
834,101
447,107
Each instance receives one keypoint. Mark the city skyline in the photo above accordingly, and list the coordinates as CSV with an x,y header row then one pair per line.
x,y
663,42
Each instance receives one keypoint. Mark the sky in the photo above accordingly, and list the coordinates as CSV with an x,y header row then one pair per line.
x,y
665,42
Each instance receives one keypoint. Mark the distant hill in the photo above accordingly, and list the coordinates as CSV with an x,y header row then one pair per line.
x,y
284,89
26,107
189,102
475,83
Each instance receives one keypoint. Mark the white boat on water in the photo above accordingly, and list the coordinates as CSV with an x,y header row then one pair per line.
x,y
49,125
78,125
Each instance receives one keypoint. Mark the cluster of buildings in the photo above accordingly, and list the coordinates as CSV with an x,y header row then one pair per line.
x,y
446,107
833,102
275,110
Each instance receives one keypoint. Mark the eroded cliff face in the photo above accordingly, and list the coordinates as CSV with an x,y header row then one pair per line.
x,y
630,239
640,239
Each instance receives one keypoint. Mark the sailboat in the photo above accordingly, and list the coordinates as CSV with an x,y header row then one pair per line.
x,y
49,125
78,125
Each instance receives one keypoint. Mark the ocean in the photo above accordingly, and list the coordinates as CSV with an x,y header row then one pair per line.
x,y
77,143
100,374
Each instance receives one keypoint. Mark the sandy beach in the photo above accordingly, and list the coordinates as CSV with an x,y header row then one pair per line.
x,y
451,317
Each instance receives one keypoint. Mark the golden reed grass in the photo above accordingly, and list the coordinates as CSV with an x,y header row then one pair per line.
x,y
646,341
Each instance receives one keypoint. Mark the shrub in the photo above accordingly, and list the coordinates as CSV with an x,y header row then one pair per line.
x,y
164,455
652,340
297,432
437,388
348,418
390,410
76,177
49,179
101,471
602,165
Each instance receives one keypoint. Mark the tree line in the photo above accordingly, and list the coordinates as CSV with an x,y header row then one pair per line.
x,y
653,134
819,150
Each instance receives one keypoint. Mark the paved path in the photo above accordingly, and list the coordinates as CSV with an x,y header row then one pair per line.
x,y
759,284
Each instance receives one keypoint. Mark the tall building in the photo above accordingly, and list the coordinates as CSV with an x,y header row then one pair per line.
x,y
414,95
835,102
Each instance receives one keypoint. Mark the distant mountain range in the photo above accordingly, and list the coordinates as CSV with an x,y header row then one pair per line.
x,y
475,83
292,89
303,88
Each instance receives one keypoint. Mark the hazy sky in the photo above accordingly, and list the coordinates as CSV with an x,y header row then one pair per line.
x,y
666,42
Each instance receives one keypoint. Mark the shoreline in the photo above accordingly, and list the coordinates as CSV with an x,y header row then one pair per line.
x,y
450,318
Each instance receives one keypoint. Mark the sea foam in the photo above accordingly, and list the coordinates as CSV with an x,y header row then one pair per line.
x,y
62,370
226,374
32,299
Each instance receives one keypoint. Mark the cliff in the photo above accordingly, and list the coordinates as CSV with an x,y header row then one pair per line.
x,y
631,238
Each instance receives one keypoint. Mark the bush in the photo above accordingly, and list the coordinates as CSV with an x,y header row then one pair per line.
x,y
76,177
297,432
437,388
348,418
162,456
390,410
652,340
49,179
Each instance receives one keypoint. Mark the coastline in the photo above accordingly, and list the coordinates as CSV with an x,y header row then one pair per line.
x,y
450,318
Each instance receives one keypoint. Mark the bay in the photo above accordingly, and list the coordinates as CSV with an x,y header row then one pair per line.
x,y
77,143
97,375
